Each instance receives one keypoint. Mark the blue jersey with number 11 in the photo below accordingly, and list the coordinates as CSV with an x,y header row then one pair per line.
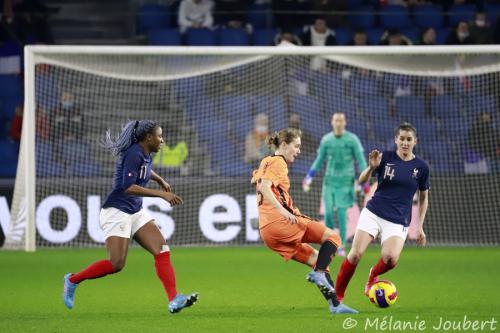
x,y
398,181
133,167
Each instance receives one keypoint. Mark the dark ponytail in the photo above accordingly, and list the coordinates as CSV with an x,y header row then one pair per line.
x,y
286,135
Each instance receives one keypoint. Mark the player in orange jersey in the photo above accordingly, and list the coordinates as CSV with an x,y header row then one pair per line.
x,y
282,226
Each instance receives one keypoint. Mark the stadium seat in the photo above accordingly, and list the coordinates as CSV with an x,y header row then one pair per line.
x,y
235,168
412,34
264,37
410,108
10,151
474,104
343,35
428,16
383,128
10,86
87,169
441,35
200,37
314,121
427,129
362,86
152,16
445,107
394,17
358,127
374,35
377,107
322,85
164,37
274,106
340,103
188,87
461,13
362,17
76,152
8,106
232,37
492,12
260,16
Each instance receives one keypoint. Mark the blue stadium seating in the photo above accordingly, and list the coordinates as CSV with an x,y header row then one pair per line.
x,y
201,37
383,128
428,16
9,152
327,86
358,127
273,106
441,35
461,13
410,108
412,34
192,86
492,12
232,37
474,104
260,16
394,17
11,86
362,17
314,121
164,37
374,35
8,107
427,129
152,16
375,106
264,37
363,86
343,35
340,103
445,107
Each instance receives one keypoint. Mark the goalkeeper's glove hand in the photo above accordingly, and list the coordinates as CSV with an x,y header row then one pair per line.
x,y
306,183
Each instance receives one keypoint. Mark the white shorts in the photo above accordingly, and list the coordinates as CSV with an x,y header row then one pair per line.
x,y
114,222
375,225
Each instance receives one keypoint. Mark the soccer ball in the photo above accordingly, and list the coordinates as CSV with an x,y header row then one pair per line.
x,y
383,294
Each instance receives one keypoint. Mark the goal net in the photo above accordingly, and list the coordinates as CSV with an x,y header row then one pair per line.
x,y
216,105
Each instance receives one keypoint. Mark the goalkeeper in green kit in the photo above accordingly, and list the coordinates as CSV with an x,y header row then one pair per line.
x,y
340,148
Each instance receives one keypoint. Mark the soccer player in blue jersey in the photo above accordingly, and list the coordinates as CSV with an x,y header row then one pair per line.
x,y
399,175
123,217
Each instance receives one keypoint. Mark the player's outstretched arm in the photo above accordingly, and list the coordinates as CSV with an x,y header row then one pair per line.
x,y
170,197
423,203
163,184
317,164
374,159
267,193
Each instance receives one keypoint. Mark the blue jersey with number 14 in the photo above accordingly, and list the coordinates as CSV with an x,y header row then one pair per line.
x,y
398,181
133,167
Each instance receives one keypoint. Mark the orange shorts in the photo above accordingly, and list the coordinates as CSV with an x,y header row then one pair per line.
x,y
287,239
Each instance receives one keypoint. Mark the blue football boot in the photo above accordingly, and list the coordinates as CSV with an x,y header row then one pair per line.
x,y
69,291
182,301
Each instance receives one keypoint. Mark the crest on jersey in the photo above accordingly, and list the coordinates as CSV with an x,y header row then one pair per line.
x,y
415,173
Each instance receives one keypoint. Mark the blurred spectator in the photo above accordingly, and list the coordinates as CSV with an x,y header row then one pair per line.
x,y
309,144
394,37
291,14
428,37
328,8
67,120
287,37
255,141
17,124
318,34
480,29
483,137
195,14
231,13
42,124
359,38
460,35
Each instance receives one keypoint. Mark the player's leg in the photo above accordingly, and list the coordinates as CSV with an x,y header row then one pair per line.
x,y
342,220
391,250
366,231
151,239
328,202
117,253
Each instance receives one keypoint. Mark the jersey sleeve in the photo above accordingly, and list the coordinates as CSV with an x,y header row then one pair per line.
x,y
359,153
423,182
321,154
131,167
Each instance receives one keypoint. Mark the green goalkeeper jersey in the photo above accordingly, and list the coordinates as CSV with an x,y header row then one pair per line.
x,y
340,152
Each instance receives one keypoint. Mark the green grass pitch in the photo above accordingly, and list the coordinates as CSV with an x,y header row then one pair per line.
x,y
244,289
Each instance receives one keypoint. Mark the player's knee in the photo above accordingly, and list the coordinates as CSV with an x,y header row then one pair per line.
x,y
390,258
118,263
354,256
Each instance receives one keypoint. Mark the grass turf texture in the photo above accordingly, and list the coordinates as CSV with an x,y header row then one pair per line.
x,y
241,290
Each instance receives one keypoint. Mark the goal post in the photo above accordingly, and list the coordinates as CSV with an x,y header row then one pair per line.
x,y
209,101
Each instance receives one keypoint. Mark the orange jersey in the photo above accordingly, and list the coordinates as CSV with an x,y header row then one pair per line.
x,y
275,169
